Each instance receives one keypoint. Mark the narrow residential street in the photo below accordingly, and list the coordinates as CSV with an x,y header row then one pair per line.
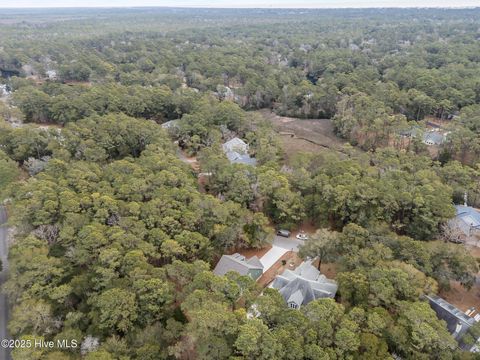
x,y
4,353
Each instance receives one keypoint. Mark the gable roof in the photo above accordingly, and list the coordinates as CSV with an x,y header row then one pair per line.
x,y
469,214
236,151
457,321
304,284
237,158
467,218
434,137
171,124
237,263
236,145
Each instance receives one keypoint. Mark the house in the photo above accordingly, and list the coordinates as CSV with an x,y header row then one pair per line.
x,y
467,221
235,145
431,137
236,158
457,321
172,124
304,284
236,151
410,132
434,138
238,263
51,75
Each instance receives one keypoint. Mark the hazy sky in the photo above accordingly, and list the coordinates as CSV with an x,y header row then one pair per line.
x,y
240,3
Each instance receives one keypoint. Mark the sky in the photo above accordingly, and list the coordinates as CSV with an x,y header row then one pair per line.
x,y
240,3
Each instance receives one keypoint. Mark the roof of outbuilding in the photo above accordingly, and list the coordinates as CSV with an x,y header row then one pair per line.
x,y
236,151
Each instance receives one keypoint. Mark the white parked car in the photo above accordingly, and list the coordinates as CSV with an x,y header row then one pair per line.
x,y
302,236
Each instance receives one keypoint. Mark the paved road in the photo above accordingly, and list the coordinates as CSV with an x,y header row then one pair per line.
x,y
4,354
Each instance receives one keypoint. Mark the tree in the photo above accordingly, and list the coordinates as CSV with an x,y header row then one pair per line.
x,y
117,310
9,172
32,317
321,245
419,332
254,341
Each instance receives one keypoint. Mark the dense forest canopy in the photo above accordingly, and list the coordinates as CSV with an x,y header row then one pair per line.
x,y
116,233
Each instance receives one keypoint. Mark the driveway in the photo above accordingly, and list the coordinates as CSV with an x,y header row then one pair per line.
x,y
4,353
271,257
287,243
280,246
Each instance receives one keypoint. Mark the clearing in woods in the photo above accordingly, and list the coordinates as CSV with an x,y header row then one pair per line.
x,y
304,135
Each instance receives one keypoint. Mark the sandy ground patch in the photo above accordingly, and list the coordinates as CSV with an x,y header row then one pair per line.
x,y
304,135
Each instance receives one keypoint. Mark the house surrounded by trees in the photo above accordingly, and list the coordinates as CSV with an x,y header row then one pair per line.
x,y
238,263
304,284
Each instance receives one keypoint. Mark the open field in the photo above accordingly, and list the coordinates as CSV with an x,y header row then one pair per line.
x,y
304,135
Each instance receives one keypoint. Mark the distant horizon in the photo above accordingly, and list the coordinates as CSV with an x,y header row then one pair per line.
x,y
246,4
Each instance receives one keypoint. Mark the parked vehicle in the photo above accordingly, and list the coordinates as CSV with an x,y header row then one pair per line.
x,y
284,233
302,236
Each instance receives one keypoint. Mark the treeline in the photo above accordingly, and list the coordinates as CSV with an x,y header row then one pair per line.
x,y
116,236
299,68
365,121
58,103
114,242
370,77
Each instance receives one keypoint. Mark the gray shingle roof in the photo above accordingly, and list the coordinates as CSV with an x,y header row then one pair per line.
x,y
433,137
236,158
467,220
235,145
457,321
236,151
304,284
238,263
171,124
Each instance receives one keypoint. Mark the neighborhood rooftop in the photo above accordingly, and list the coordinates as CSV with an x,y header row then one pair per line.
x,y
433,138
237,263
236,151
457,321
469,214
304,284
467,218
